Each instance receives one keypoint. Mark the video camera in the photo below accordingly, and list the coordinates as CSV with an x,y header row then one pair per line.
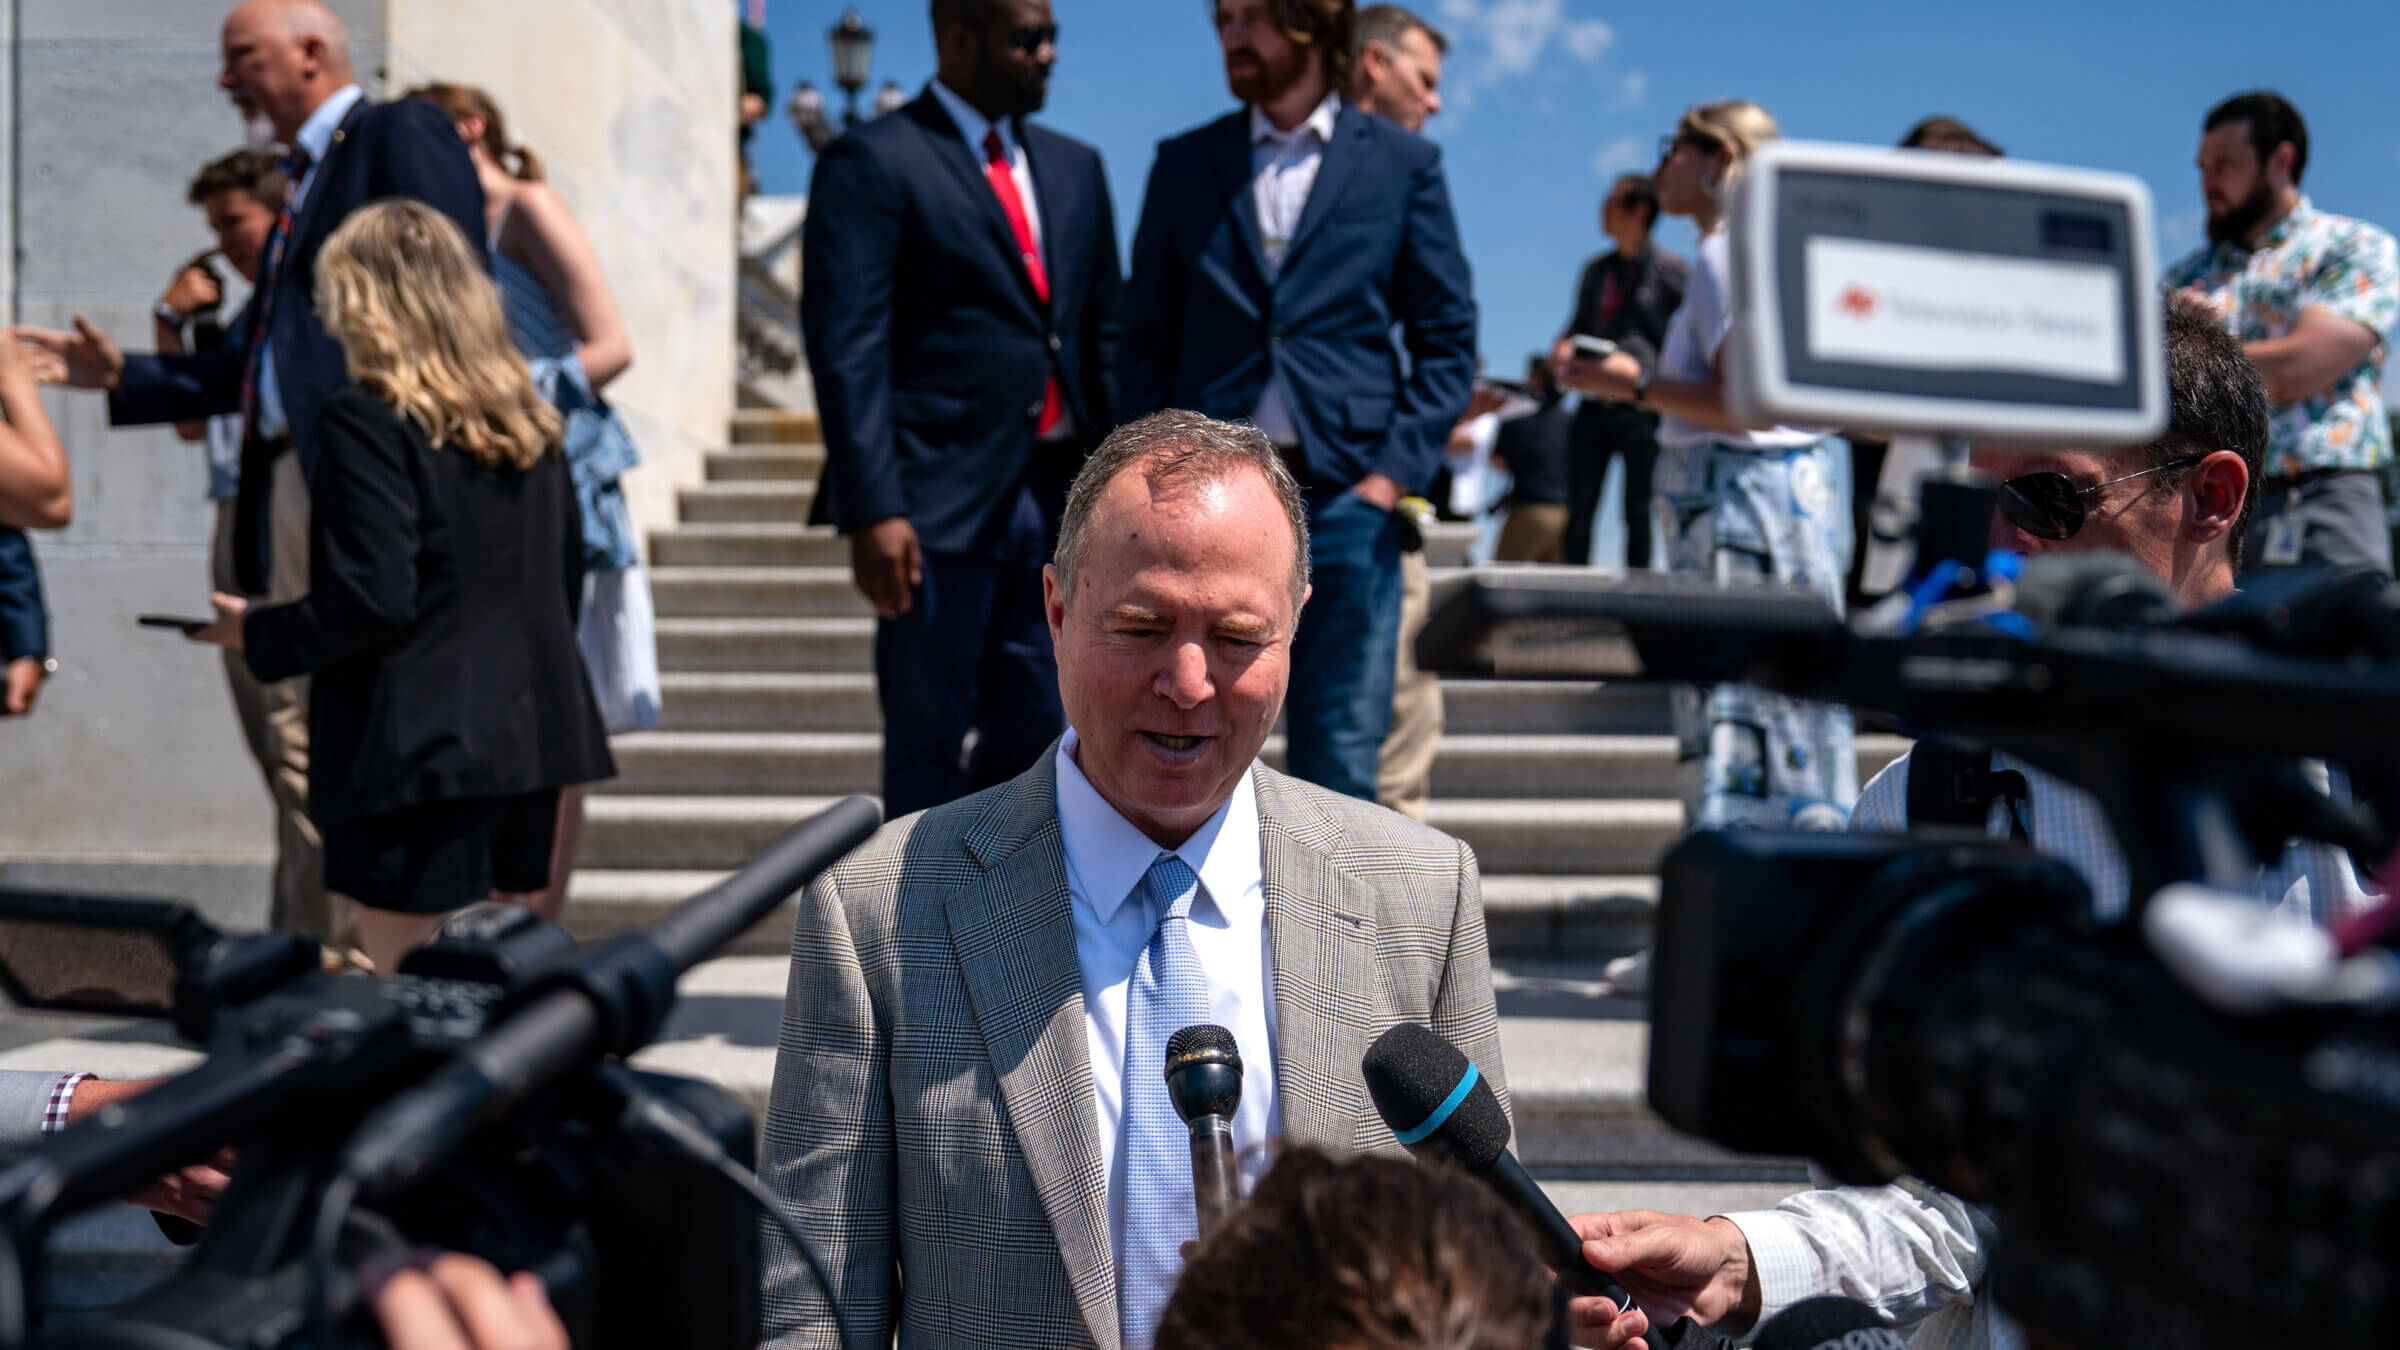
x,y
2167,1167
477,1101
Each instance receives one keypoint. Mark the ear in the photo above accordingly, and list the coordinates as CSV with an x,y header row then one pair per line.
x,y
1054,602
2216,490
2280,161
470,130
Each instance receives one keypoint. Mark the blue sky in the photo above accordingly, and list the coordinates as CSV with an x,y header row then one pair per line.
x,y
1548,99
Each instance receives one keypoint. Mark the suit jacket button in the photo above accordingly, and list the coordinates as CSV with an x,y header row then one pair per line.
x,y
1033,412
1055,344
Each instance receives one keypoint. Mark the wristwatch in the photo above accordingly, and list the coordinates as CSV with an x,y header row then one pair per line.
x,y
169,315
1641,390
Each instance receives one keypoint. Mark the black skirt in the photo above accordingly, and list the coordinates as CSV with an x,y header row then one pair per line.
x,y
442,856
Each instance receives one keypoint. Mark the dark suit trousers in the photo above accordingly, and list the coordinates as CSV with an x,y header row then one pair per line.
x,y
967,679
1602,431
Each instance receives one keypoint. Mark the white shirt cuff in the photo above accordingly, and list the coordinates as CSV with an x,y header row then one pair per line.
x,y
1788,1267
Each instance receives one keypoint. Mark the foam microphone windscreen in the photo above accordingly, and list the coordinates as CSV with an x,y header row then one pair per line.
x,y
1831,1323
1433,1098
1205,1040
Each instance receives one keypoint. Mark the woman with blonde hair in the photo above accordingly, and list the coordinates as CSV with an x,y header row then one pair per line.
x,y
1734,501
565,320
450,703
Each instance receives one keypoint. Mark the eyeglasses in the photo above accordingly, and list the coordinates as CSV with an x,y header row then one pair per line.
x,y
2049,506
1668,144
1030,38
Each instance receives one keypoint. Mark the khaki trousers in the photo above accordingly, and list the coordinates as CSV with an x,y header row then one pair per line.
x,y
274,718
1404,774
1535,532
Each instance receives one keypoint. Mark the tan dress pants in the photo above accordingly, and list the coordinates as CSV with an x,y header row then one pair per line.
x,y
274,717
1404,775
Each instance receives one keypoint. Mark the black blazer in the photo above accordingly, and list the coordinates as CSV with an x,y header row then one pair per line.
x,y
404,149
928,348
1370,321
439,623
1651,287
24,626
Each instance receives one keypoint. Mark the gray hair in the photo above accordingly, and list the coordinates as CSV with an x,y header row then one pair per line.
x,y
1178,450
1389,24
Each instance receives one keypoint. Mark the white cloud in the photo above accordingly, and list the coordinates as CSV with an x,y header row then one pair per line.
x,y
1633,90
2180,232
1625,154
1496,41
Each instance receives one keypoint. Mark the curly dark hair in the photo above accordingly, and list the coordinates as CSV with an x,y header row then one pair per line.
x,y
1366,1253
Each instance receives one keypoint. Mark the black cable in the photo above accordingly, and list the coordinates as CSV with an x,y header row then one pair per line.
x,y
649,1113
333,1211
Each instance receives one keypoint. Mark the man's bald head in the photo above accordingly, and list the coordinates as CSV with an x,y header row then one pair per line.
x,y
283,58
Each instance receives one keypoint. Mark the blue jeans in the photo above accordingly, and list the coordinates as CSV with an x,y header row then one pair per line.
x,y
1340,704
972,654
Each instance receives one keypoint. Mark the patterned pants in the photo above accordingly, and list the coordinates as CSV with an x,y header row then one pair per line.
x,y
1746,756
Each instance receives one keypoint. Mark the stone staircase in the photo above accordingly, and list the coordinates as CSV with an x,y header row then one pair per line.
x,y
1564,790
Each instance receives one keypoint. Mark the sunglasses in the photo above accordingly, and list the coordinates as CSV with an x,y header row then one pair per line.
x,y
2049,506
1672,141
1030,38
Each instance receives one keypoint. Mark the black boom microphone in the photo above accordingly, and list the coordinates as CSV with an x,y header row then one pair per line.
x,y
1204,1080
1829,1323
1438,1105
610,1002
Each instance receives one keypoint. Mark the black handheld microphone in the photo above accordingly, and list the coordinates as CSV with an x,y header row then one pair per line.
x,y
1439,1105
1204,1080
1830,1323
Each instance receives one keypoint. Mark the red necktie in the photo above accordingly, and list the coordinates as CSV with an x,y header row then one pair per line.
x,y
1004,185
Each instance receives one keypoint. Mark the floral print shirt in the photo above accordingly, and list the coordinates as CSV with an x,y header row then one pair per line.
x,y
2311,259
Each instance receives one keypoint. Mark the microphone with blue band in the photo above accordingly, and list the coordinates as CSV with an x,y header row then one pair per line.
x,y
1439,1105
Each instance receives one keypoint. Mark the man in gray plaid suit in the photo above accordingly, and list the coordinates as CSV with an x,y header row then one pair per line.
x,y
968,1112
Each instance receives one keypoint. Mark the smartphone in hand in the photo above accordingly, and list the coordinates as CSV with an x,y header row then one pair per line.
x,y
1594,348
185,626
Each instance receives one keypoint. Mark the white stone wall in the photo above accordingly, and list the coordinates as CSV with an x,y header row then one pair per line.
x,y
630,104
132,772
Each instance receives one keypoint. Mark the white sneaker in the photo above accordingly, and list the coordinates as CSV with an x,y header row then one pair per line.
x,y
1629,974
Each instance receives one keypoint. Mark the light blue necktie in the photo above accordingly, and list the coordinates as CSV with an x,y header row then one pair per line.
x,y
1169,992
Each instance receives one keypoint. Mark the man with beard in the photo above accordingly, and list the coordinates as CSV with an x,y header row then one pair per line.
x,y
960,320
2312,297
1298,265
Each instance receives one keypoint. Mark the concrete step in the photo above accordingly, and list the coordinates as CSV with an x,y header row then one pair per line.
x,y
790,544
768,500
766,644
733,592
765,463
1525,916
774,426
818,763
1448,542
718,700
1553,707
1560,835
1532,835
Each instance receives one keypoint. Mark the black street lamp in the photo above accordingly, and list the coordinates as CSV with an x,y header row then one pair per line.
x,y
853,56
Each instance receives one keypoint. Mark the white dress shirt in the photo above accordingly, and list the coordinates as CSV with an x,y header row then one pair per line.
x,y
1285,165
1107,859
315,137
973,127
1914,1253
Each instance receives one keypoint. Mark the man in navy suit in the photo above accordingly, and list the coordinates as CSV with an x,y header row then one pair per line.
x,y
1298,265
960,315
287,61
24,627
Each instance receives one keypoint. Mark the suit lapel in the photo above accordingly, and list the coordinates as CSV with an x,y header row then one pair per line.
x,y
1014,939
1231,154
1321,940
950,147
320,183
1341,160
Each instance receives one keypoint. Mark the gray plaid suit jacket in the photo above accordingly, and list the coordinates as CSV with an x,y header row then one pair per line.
x,y
933,1120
